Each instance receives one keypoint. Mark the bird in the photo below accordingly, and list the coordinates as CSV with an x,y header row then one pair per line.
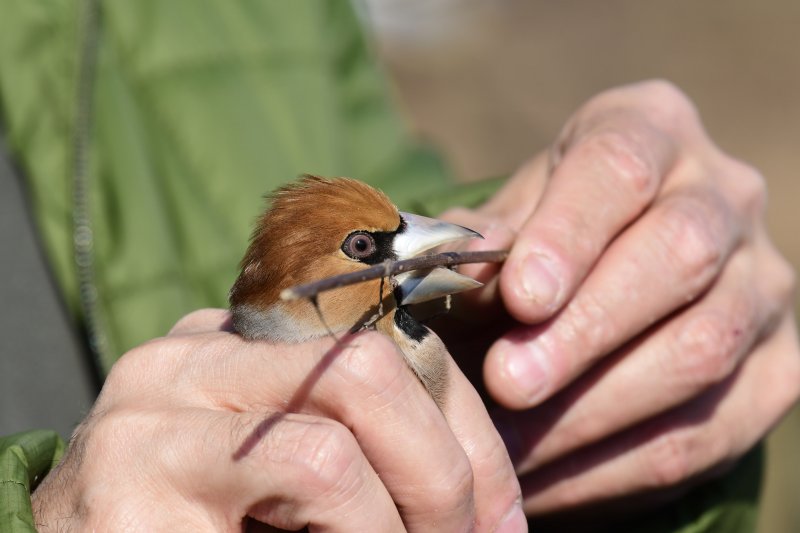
x,y
318,227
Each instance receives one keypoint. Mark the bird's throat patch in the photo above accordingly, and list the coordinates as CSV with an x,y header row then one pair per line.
x,y
409,325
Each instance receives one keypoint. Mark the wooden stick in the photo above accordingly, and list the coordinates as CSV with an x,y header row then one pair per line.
x,y
390,268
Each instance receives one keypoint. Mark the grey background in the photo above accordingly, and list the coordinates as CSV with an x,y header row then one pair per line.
x,y
45,379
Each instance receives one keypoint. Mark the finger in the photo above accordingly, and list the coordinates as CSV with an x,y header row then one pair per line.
x,y
497,235
187,475
202,320
685,356
518,198
495,485
497,494
658,265
606,177
306,472
363,382
676,447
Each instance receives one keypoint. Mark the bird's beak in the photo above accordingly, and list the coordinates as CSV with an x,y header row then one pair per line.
x,y
420,235
421,286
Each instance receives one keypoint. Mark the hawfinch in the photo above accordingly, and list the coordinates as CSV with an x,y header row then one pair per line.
x,y
317,228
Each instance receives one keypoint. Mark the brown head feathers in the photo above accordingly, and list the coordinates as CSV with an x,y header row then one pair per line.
x,y
297,240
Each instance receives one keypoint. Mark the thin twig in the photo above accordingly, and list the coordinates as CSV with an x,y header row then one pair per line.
x,y
390,268
315,303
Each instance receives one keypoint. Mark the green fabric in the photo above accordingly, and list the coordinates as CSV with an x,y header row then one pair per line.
x,y
196,114
470,195
25,458
198,108
726,505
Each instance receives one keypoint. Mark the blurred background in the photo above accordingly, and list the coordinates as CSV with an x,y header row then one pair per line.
x,y
522,67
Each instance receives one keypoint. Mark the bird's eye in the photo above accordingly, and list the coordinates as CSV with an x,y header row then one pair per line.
x,y
359,245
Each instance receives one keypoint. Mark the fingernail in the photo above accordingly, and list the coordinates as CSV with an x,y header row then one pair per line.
x,y
526,368
514,521
539,281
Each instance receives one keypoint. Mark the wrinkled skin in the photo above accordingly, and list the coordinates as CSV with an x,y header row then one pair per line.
x,y
649,316
200,429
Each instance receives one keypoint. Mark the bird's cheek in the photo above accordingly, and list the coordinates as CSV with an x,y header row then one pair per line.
x,y
344,308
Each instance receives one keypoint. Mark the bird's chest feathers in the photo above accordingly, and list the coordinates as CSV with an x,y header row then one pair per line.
x,y
423,350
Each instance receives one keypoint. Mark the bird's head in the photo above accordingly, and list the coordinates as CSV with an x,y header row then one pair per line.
x,y
317,228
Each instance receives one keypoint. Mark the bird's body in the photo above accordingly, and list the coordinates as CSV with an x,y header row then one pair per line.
x,y
317,228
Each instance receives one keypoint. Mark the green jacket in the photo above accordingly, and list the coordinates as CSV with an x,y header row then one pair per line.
x,y
149,132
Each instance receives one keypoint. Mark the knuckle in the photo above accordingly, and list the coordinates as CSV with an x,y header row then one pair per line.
x,y
103,435
326,454
748,185
127,371
690,235
670,101
590,326
664,91
565,236
189,320
373,367
135,370
785,378
668,460
624,157
496,464
95,438
168,366
707,347
782,279
455,488
663,102
201,319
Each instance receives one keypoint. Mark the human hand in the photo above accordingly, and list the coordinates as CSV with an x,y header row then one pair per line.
x,y
200,429
655,333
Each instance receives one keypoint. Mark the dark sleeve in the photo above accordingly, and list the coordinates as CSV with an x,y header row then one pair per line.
x,y
45,378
